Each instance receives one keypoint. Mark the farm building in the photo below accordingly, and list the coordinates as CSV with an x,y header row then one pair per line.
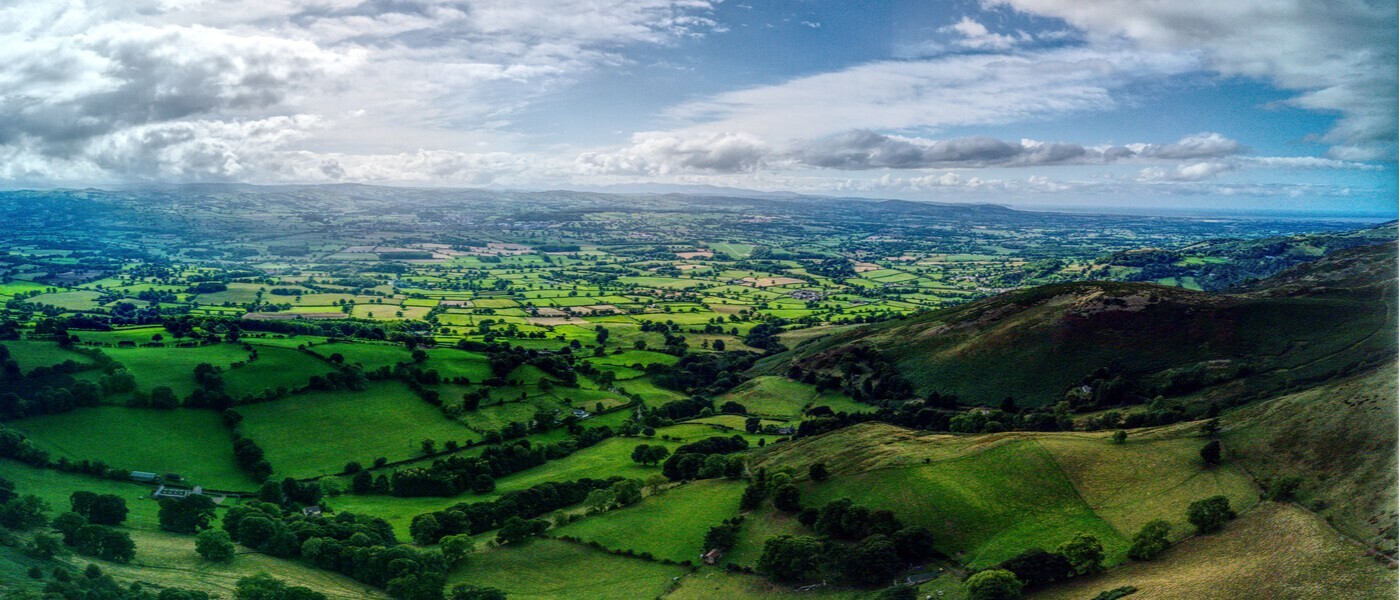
x,y
143,476
712,556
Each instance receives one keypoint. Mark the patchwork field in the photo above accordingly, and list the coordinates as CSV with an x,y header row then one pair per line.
x,y
315,434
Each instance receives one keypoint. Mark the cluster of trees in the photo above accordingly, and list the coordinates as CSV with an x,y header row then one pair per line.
x,y
455,474
249,456
707,374
92,582
706,459
526,504
863,373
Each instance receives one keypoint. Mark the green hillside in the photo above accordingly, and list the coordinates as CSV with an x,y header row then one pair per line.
x,y
1036,344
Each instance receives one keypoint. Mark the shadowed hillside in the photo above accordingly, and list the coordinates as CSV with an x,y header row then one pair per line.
x,y
1126,342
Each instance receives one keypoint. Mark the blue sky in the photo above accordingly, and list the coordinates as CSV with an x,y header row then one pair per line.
x,y
1194,104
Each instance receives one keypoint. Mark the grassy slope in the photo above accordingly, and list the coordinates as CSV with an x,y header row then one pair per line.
x,y
670,525
545,568
1340,438
988,497
1274,551
1056,335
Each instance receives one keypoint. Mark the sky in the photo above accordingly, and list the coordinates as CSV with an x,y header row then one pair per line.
x,y
1196,105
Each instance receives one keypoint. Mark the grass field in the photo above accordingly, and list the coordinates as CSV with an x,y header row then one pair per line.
x,y
30,355
54,487
984,507
1274,551
274,368
173,367
314,434
193,443
669,525
545,568
1144,479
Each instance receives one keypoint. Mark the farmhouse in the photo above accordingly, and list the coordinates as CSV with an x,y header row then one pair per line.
x,y
581,414
143,476
712,556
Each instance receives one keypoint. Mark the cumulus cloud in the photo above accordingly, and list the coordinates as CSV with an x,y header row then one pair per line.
x,y
228,89
1340,55
1198,171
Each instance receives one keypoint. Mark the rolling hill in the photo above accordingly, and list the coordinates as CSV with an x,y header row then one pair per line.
x,y
1307,324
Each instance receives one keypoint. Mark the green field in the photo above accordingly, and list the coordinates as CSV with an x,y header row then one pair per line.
x,y
314,434
173,367
670,525
545,568
192,443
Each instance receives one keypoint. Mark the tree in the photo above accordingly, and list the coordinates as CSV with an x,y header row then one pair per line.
x,y
993,584
753,424
599,501
68,524
818,472
1120,436
103,509
1150,541
456,548
873,561
1036,567
104,542
788,558
1211,514
186,515
627,492
44,546
214,545
428,446
752,498
1210,453
787,499
23,513
1084,553
265,587
516,529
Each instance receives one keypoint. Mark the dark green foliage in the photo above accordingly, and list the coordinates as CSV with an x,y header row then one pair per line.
x,y
1084,553
106,543
994,584
186,515
787,499
1210,453
1116,593
214,545
1036,567
103,509
463,591
516,529
266,587
23,513
788,558
817,471
725,535
1150,541
1211,514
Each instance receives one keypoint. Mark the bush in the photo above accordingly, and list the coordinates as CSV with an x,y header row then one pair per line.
x,y
994,584
1211,514
214,545
1150,541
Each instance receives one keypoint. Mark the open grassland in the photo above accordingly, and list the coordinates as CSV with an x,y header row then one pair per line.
x,y
274,368
985,507
759,526
670,525
781,397
545,568
1274,551
54,487
34,354
1340,439
192,443
316,433
987,497
1144,479
169,560
173,367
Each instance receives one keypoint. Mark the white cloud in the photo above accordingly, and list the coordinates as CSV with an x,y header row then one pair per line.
x,y
932,94
1340,55
656,153
1198,171
974,35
